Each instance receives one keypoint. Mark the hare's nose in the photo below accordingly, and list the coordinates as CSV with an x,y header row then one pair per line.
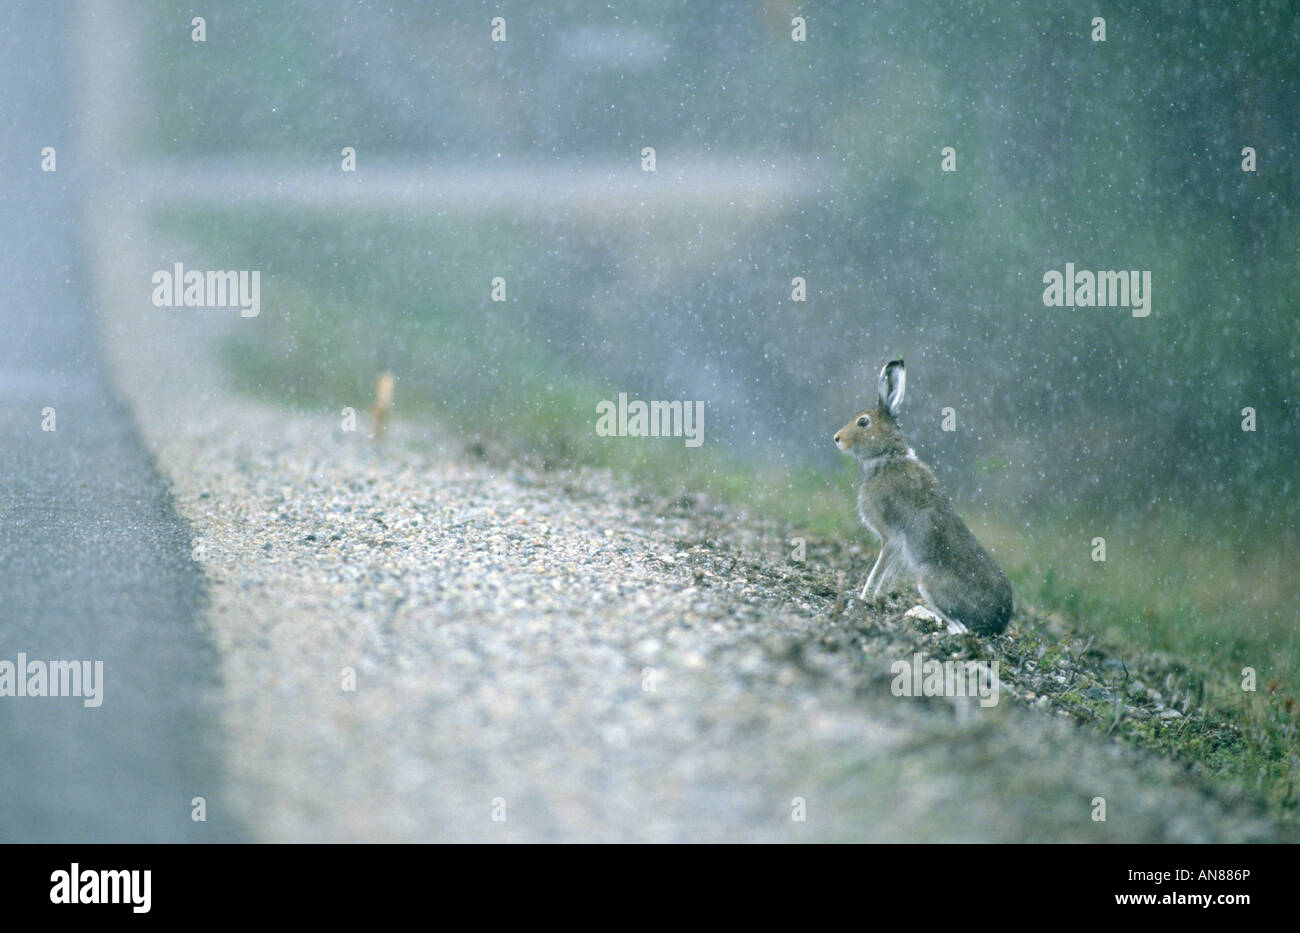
x,y
837,436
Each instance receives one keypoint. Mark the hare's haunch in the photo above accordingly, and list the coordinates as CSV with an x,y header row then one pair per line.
x,y
920,532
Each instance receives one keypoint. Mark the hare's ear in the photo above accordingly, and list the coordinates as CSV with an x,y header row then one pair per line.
x,y
893,378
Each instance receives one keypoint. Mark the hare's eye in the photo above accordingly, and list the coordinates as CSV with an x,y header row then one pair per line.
x,y
864,421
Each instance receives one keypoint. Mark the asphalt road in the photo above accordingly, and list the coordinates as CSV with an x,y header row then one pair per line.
x,y
94,562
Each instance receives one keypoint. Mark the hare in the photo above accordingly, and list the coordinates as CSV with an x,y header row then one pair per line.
x,y
920,532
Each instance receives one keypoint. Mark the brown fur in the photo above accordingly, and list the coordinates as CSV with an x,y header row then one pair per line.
x,y
920,532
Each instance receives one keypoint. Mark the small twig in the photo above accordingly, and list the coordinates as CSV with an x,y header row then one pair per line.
x,y
383,402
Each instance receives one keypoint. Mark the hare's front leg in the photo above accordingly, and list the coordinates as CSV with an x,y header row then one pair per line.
x,y
878,568
885,578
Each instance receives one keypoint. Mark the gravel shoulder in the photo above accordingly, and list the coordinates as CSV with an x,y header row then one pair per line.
x,y
555,656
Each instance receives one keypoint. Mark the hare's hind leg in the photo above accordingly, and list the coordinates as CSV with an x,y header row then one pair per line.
x,y
954,627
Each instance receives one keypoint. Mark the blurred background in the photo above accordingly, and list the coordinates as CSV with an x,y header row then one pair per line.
x,y
778,159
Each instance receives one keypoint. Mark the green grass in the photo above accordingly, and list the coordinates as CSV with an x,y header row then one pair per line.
x,y
358,295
